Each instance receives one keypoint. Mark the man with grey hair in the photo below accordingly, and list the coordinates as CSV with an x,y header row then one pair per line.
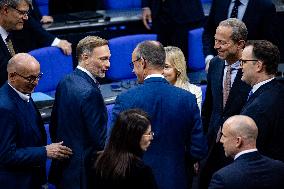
x,y
79,115
226,93
175,118
250,169
21,33
23,149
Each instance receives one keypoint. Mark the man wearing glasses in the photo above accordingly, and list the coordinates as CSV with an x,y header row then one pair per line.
x,y
226,94
23,152
259,62
20,33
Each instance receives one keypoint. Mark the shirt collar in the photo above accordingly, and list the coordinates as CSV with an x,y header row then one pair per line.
x,y
234,66
244,152
256,86
154,75
25,97
4,33
243,2
88,73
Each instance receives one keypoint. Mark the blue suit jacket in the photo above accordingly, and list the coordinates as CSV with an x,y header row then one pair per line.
x,y
22,151
79,119
175,120
265,107
250,171
259,18
213,115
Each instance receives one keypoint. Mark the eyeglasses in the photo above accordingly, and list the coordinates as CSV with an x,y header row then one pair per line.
x,y
149,134
22,13
131,64
242,61
30,78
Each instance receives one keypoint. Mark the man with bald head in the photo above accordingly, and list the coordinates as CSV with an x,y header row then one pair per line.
x,y
250,169
174,113
22,148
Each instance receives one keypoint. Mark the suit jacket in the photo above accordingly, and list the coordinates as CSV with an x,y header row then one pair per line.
x,y
265,107
79,119
32,36
259,18
180,11
22,151
213,114
175,119
250,171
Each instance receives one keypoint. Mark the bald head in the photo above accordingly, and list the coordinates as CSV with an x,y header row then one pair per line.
x,y
239,133
23,72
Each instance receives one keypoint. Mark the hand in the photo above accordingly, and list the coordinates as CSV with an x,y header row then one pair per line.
x,y
146,17
58,151
65,46
196,168
46,19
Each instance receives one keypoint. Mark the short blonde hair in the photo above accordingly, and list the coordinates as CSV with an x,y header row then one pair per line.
x,y
176,58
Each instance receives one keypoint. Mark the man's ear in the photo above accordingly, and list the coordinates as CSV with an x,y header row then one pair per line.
x,y
241,44
239,142
84,57
143,63
11,77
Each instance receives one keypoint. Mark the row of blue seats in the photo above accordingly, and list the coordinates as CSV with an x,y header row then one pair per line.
x,y
109,4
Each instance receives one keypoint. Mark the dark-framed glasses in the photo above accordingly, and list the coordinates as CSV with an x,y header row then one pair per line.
x,y
243,61
22,13
131,64
30,78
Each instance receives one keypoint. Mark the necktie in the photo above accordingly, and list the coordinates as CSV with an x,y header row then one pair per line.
x,y
227,85
234,13
10,45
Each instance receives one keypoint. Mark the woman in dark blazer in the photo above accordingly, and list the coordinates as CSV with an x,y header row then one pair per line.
x,y
120,165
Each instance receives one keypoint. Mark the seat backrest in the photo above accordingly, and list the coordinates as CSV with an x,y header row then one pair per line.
x,y
121,49
122,4
196,60
54,65
42,6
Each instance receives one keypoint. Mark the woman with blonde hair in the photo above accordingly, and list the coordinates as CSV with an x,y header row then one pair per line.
x,y
175,72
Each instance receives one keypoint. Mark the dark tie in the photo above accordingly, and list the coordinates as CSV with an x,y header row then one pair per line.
x,y
234,13
227,85
10,45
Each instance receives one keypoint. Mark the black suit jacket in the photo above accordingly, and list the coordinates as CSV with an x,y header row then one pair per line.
x,y
259,18
32,36
213,115
250,171
266,108
180,11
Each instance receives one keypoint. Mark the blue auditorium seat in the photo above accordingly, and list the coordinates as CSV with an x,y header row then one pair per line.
x,y
42,6
54,65
121,49
196,60
122,4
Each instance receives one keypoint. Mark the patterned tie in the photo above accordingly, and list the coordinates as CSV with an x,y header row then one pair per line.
x,y
227,85
234,13
10,45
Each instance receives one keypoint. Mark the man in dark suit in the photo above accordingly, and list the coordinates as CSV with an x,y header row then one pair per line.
x,y
250,170
226,94
79,115
22,148
172,19
260,60
258,15
19,33
175,117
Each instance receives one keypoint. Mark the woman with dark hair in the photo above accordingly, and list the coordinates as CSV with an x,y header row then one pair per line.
x,y
120,165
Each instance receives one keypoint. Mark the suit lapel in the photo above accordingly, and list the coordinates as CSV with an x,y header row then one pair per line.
x,y
85,76
249,9
235,88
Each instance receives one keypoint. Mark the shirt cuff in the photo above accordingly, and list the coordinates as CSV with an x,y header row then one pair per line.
x,y
55,42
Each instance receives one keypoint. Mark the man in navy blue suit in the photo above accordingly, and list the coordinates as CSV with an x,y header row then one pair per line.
x,y
250,169
21,33
226,93
22,148
79,115
258,15
175,117
260,60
